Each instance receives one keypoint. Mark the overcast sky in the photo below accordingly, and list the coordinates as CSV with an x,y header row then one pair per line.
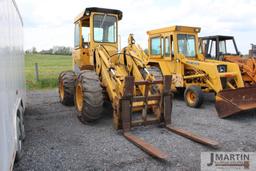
x,y
50,22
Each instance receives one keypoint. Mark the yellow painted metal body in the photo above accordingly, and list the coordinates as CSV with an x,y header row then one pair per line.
x,y
112,66
187,71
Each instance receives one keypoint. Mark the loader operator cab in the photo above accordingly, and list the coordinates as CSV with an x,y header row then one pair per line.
x,y
170,41
94,27
217,47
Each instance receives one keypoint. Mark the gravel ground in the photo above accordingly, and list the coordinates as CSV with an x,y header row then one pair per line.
x,y
56,140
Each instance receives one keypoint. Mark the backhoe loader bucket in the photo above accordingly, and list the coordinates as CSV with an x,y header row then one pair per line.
x,y
234,101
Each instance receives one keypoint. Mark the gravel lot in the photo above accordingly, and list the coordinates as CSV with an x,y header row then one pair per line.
x,y
56,140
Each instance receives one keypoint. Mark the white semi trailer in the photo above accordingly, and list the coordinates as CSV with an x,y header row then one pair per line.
x,y
12,84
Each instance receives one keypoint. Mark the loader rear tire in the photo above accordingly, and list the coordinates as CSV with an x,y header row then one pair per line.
x,y
156,72
193,96
66,86
88,96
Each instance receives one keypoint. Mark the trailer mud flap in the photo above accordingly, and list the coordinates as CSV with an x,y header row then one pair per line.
x,y
231,102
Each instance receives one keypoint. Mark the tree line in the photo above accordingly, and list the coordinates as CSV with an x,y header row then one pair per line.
x,y
55,50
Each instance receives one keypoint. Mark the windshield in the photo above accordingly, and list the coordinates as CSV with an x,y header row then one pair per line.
x,y
186,45
227,47
104,28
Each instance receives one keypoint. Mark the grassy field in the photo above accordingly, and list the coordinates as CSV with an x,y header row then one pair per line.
x,y
49,68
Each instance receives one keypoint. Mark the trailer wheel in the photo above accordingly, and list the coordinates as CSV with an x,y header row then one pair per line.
x,y
19,151
194,96
22,127
88,96
66,86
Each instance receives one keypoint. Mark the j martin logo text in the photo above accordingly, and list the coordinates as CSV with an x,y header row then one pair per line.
x,y
227,161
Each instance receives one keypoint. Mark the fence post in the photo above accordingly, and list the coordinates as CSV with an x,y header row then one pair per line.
x,y
36,72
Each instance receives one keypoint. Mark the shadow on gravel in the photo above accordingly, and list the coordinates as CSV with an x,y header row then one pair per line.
x,y
243,116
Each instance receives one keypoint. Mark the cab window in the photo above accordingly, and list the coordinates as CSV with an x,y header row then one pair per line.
x,y
167,47
186,45
85,37
155,46
77,35
104,28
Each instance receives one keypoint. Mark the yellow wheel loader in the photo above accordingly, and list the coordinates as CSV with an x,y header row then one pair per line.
x,y
174,51
224,48
101,72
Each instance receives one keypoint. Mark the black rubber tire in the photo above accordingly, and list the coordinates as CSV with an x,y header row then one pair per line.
x,y
19,152
22,127
92,108
199,97
69,80
156,72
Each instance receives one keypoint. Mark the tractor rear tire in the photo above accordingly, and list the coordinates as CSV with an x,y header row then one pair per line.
x,y
88,96
193,96
66,86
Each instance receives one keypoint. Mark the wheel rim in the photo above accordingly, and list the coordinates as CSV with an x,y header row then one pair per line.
x,y
79,97
61,90
191,97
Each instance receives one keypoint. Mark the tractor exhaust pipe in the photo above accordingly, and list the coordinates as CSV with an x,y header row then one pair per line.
x,y
233,101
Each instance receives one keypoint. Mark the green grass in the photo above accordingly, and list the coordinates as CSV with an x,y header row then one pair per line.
x,y
49,68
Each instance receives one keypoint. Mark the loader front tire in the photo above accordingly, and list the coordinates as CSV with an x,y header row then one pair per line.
x,y
88,96
66,85
193,96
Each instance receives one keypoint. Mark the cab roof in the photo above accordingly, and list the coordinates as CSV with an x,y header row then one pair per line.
x,y
87,12
220,37
174,29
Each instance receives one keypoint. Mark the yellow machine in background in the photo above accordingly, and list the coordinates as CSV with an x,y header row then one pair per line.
x,y
99,71
174,51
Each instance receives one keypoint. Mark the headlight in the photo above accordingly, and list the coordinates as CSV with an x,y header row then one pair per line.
x,y
87,13
222,68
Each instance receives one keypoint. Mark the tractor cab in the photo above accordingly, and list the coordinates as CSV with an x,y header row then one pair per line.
x,y
168,42
94,27
218,47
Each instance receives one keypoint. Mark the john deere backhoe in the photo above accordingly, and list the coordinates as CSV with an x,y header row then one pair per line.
x,y
224,48
174,51
101,72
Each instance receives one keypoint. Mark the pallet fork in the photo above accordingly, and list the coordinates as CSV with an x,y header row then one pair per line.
x,y
165,102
